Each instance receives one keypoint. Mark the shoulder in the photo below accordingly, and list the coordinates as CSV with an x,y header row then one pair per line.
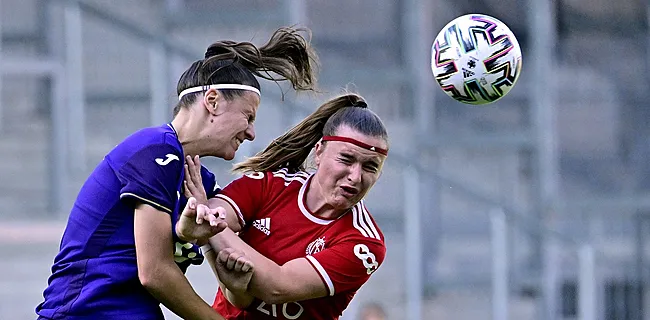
x,y
363,225
285,177
279,178
161,135
210,183
159,143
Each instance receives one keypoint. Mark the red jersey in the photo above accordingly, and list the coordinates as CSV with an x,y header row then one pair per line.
x,y
277,223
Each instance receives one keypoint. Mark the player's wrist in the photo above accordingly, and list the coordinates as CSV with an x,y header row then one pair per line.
x,y
202,242
182,236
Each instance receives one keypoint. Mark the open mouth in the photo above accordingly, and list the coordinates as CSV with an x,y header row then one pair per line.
x,y
349,191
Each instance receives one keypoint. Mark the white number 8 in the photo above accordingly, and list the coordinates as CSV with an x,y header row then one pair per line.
x,y
368,258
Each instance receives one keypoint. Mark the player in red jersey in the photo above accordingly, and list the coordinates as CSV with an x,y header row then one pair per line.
x,y
309,235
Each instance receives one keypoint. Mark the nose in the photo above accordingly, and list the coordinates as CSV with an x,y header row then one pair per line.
x,y
354,174
250,132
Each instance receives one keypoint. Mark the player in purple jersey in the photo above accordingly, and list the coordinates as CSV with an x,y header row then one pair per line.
x,y
119,256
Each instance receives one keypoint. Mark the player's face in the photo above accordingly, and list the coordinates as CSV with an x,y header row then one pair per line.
x,y
346,172
235,123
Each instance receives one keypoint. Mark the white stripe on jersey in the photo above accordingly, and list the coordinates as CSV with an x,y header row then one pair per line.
x,y
289,177
355,221
323,273
361,221
266,223
366,215
303,207
234,206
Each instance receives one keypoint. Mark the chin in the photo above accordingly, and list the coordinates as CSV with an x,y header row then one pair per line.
x,y
229,156
224,155
343,204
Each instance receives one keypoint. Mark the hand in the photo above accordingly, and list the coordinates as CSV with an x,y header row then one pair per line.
x,y
193,184
234,269
191,227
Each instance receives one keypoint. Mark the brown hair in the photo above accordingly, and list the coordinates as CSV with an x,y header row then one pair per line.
x,y
287,54
292,148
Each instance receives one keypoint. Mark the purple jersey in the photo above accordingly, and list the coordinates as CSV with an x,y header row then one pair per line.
x,y
95,274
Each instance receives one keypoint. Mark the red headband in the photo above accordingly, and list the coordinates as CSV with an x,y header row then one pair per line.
x,y
357,143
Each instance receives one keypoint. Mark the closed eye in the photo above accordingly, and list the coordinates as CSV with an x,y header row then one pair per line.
x,y
370,168
345,160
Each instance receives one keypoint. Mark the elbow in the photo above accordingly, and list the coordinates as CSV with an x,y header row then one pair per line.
x,y
275,287
273,299
149,278
275,296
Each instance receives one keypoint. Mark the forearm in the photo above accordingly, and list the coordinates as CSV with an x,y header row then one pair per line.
x,y
240,299
169,286
268,280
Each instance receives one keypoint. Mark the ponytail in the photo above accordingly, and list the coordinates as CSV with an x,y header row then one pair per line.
x,y
292,148
287,56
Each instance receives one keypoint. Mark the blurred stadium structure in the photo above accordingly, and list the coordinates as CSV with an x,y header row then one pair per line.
x,y
535,207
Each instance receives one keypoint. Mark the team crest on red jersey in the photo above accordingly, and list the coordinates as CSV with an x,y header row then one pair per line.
x,y
316,246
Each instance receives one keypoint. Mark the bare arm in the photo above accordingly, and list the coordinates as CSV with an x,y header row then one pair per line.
x,y
240,299
231,217
294,281
156,268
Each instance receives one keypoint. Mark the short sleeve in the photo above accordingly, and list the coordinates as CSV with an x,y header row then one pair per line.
x,y
246,195
152,176
346,266
210,184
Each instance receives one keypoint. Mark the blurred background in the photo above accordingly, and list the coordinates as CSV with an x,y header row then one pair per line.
x,y
534,207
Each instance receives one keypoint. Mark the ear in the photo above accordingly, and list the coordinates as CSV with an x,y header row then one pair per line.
x,y
211,101
318,152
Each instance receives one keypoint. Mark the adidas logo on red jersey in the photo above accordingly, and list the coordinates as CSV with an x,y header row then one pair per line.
x,y
263,225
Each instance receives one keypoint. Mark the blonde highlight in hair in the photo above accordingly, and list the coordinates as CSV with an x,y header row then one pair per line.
x,y
292,148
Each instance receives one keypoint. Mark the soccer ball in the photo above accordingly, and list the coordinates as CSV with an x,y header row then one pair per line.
x,y
476,59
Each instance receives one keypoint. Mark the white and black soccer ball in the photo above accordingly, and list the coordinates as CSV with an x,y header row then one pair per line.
x,y
476,59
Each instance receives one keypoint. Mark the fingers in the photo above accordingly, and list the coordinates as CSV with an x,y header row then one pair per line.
x,y
190,209
234,260
247,267
193,166
204,213
213,216
186,189
193,183
220,212
220,226
239,263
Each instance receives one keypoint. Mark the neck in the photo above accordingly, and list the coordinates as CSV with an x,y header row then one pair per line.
x,y
187,133
316,202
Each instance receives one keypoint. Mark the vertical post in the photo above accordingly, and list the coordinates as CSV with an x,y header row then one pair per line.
x,y
587,302
296,14
541,35
418,37
417,34
1,78
413,242
157,84
58,177
76,120
549,278
500,271
296,11
637,309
